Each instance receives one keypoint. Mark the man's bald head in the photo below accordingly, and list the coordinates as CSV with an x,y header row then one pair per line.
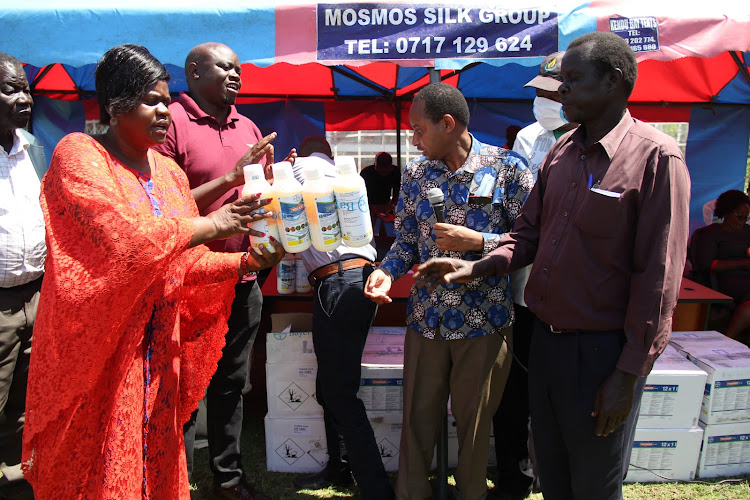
x,y
213,72
201,52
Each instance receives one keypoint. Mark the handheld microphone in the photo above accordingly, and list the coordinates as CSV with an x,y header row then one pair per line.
x,y
437,200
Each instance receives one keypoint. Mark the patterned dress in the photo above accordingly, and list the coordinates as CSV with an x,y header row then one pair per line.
x,y
129,329
485,194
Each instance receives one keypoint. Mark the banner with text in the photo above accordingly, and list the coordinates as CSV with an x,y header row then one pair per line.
x,y
405,31
641,33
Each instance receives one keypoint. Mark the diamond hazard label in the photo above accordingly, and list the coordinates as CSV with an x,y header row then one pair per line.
x,y
388,451
289,451
293,396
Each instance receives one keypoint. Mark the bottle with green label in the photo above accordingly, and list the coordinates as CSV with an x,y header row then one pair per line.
x,y
255,182
351,203
320,204
289,209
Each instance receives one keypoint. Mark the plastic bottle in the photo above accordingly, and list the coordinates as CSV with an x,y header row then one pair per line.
x,y
302,285
320,204
351,203
291,219
286,275
255,182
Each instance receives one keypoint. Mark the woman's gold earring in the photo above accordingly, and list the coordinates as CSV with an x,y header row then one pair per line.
x,y
113,121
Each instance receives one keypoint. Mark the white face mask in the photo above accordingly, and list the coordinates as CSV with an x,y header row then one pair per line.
x,y
549,113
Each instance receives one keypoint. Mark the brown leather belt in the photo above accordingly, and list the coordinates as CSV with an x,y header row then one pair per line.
x,y
336,267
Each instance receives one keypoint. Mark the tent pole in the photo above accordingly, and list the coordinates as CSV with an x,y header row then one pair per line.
x,y
740,64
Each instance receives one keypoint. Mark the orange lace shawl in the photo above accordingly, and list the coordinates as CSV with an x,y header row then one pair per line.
x,y
114,272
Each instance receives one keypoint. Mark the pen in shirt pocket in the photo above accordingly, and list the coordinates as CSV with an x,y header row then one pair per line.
x,y
591,180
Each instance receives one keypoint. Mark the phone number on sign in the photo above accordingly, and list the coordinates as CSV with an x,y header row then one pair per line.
x,y
437,45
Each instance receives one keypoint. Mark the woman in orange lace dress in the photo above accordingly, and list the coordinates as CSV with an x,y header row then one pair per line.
x,y
133,307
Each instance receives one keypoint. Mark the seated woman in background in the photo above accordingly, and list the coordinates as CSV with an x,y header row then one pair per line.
x,y
721,258
133,307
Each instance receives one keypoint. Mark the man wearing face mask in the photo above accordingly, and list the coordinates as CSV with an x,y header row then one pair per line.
x,y
514,468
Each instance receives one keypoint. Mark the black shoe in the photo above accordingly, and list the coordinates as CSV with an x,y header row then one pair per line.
x,y
330,476
242,491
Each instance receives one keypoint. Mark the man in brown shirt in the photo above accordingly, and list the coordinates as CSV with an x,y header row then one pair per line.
x,y
606,227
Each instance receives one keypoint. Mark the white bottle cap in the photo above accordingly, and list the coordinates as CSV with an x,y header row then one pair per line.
x,y
282,171
312,172
253,172
345,165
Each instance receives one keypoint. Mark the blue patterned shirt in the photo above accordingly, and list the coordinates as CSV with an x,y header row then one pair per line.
x,y
482,306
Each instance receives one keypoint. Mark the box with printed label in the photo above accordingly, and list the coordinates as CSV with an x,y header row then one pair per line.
x,y
664,455
673,393
725,450
385,343
299,444
381,387
717,340
290,390
726,396
295,444
290,340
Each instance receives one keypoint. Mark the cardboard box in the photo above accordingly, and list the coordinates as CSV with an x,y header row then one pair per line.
x,y
299,444
290,389
725,450
295,444
290,340
664,455
726,396
683,340
673,393
381,388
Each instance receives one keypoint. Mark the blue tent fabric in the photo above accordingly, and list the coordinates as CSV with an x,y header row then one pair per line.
x,y
161,26
737,90
291,120
711,130
52,120
489,120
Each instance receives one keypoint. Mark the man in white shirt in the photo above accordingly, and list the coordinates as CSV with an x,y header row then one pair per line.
x,y
342,316
22,254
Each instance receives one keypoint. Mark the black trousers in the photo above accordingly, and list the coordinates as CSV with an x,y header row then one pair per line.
x,y
342,317
511,420
565,372
224,395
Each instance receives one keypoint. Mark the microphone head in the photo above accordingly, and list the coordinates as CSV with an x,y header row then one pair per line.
x,y
435,195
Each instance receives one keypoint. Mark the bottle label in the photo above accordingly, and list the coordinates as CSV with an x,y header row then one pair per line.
x,y
330,229
302,285
354,215
261,226
294,228
286,272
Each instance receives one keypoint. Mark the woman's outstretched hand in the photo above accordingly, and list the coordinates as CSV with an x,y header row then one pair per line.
x,y
230,219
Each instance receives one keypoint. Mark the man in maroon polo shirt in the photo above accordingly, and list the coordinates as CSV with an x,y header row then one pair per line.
x,y
211,141
606,227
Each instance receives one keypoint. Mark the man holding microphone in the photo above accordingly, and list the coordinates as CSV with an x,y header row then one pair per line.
x,y
457,340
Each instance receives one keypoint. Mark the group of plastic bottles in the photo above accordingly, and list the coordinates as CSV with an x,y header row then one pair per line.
x,y
321,213
291,275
